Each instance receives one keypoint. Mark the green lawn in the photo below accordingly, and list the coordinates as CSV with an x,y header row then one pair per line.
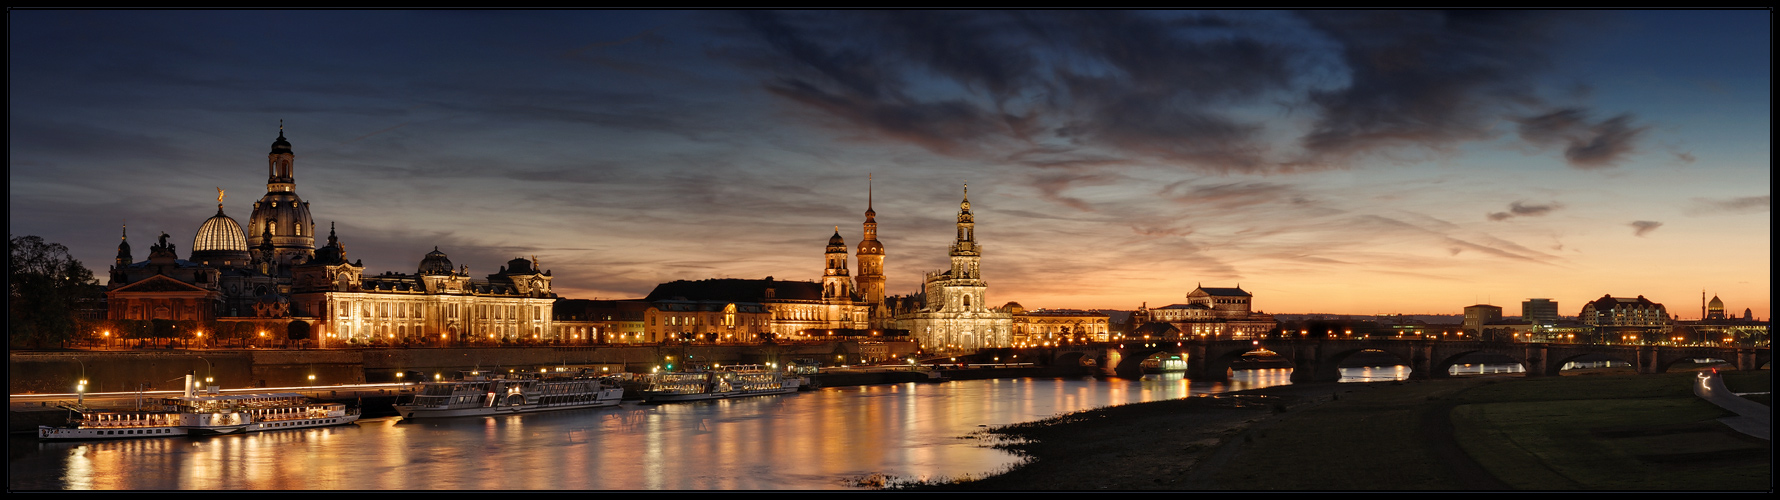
x,y
1610,432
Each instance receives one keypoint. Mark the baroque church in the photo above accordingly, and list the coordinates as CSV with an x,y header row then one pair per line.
x,y
953,311
272,272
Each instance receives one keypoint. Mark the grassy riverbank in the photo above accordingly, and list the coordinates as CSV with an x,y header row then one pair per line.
x,y
1607,430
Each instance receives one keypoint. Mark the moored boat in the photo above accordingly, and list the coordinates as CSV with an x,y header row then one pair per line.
x,y
481,396
704,385
194,414
1168,363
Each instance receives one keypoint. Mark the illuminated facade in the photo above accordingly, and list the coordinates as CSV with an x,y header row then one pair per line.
x,y
1210,313
435,303
953,312
1040,327
1610,311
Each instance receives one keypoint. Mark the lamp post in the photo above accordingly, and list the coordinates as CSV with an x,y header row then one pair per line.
x,y
80,389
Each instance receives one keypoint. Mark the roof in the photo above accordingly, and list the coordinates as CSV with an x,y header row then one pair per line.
x,y
1224,292
735,290
1062,312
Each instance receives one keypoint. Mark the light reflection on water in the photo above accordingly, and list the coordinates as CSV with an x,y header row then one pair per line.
x,y
810,440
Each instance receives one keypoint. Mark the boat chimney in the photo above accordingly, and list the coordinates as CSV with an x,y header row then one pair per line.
x,y
190,390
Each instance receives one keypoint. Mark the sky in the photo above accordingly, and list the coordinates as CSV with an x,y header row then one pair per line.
x,y
1353,162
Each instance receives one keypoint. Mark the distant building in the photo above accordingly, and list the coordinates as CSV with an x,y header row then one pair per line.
x,y
1210,313
1720,329
1619,319
1610,311
1478,315
1539,311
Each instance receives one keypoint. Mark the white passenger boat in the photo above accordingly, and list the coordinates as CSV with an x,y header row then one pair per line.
x,y
699,386
503,396
195,414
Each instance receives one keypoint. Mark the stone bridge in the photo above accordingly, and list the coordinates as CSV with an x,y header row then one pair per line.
x,y
1319,360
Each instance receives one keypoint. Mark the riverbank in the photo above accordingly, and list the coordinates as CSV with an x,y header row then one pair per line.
x,y
1606,430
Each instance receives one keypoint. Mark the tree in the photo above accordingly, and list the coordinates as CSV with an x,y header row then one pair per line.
x,y
44,284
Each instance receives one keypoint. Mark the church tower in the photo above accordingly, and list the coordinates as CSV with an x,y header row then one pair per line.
x,y
871,264
281,218
836,284
965,252
123,258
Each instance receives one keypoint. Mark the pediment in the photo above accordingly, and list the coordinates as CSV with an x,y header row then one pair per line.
x,y
160,283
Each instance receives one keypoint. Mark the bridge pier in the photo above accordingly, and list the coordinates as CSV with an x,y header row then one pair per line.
x,y
1201,366
1309,365
1538,363
1421,362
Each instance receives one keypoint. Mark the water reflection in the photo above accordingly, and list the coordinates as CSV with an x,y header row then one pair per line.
x,y
811,440
1374,373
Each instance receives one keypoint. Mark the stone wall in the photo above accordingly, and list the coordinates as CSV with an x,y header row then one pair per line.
x,y
125,371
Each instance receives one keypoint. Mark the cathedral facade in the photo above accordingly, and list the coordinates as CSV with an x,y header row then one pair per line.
x,y
953,313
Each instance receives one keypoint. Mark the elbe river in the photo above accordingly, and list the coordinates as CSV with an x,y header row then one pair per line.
x,y
822,439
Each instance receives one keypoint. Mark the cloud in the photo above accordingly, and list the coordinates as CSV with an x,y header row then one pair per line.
x,y
1587,145
1642,227
1193,90
1521,209
1739,205
1229,195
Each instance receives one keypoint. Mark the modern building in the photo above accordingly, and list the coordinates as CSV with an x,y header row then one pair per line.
x,y
1479,315
953,312
1539,311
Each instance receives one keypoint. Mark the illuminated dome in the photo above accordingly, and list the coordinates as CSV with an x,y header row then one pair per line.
x,y
220,242
836,244
435,264
1715,309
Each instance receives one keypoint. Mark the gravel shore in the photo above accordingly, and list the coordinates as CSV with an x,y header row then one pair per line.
x,y
1161,445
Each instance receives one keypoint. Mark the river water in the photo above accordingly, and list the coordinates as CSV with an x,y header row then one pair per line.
x,y
824,439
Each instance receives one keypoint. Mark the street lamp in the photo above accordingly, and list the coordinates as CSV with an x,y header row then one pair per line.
x,y
80,389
